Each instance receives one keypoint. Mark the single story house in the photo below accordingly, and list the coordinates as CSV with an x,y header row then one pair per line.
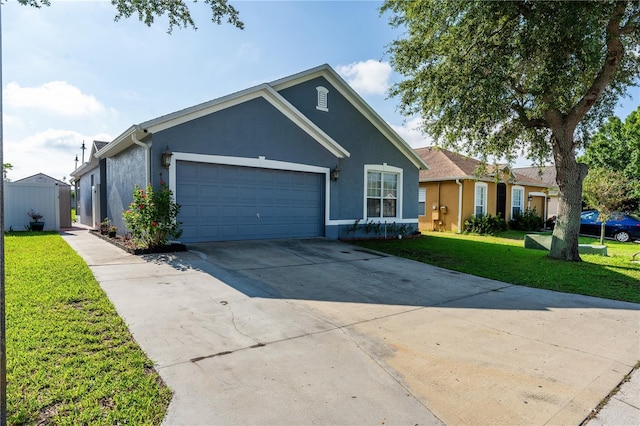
x,y
455,188
302,156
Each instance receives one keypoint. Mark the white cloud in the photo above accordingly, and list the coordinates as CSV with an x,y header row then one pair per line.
x,y
51,152
58,97
412,134
368,77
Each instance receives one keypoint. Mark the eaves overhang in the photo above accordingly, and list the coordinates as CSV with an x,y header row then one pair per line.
x,y
142,130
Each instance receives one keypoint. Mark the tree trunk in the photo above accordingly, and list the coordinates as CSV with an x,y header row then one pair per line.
x,y
570,175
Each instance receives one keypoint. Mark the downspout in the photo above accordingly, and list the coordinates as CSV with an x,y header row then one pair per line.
x,y
459,205
147,157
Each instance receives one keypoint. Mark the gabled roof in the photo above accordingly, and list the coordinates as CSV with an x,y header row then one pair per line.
x,y
364,108
269,92
41,178
448,165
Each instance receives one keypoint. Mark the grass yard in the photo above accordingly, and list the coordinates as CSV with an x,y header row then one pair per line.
x,y
70,357
504,258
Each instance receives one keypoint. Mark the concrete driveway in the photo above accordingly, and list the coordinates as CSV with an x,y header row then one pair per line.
x,y
321,332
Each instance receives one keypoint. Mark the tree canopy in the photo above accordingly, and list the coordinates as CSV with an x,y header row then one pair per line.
x,y
505,78
177,11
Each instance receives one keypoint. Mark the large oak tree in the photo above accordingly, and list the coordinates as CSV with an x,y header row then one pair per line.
x,y
505,78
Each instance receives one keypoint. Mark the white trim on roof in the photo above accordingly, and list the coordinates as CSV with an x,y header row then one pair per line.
x,y
345,90
183,116
270,93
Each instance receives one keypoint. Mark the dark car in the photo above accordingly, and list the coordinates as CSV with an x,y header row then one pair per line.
x,y
622,227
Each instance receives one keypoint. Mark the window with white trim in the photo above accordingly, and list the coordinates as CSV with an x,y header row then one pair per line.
x,y
517,201
422,201
480,199
383,191
323,94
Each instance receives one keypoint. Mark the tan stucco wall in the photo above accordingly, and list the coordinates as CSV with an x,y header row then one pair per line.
x,y
445,193
440,194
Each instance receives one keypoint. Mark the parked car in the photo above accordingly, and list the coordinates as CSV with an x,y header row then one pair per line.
x,y
622,227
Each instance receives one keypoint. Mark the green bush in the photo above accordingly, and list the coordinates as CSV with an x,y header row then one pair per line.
x,y
484,224
527,221
151,216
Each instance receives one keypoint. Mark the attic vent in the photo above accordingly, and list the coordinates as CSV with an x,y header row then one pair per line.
x,y
322,99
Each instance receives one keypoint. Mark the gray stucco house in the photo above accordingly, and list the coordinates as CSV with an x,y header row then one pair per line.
x,y
303,156
90,200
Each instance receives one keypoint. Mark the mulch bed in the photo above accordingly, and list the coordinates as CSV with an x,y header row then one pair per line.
x,y
129,246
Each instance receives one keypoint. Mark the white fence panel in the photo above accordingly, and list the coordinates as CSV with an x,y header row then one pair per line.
x,y
20,197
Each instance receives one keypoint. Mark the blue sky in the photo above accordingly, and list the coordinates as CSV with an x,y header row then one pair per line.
x,y
70,73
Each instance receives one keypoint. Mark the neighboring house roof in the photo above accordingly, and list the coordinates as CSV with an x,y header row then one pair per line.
x,y
93,159
449,165
268,91
446,165
41,178
545,174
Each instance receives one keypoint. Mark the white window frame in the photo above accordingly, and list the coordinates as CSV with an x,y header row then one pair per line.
x,y
384,169
514,189
422,201
480,203
323,99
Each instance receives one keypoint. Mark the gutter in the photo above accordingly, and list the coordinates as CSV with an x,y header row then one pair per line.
x,y
459,205
147,156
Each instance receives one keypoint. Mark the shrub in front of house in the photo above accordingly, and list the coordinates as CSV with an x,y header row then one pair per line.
x,y
152,216
527,221
484,224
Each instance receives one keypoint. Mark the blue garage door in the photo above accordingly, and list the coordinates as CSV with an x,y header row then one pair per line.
x,y
222,203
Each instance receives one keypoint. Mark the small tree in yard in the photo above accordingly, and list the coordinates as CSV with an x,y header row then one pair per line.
x,y
606,191
151,216
616,146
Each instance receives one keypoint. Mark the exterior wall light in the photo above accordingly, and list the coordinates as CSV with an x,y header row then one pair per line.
x,y
165,158
530,197
335,174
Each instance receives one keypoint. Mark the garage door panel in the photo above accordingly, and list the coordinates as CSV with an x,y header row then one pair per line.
x,y
221,202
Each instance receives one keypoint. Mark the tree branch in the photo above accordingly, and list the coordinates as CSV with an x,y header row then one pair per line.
x,y
633,24
614,54
532,123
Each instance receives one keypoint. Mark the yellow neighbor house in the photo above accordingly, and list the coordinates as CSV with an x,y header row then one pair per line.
x,y
454,189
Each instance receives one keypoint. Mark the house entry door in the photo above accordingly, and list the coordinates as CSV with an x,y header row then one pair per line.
x,y
501,200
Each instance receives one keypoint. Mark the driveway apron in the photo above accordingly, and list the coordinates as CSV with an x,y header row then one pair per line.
x,y
322,332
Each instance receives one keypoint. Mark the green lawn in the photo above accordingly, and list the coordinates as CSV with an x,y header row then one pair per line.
x,y
504,258
70,358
